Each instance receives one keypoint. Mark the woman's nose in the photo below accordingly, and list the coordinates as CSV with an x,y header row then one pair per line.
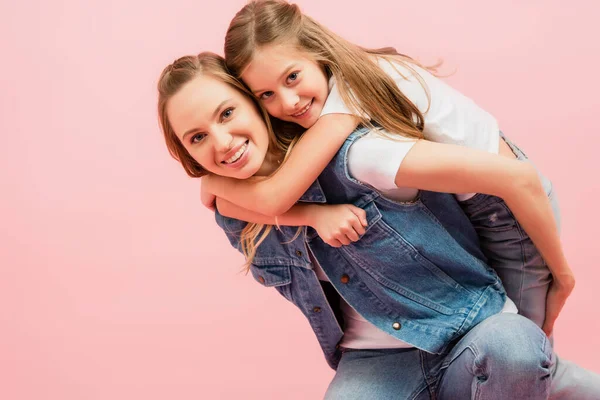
x,y
223,140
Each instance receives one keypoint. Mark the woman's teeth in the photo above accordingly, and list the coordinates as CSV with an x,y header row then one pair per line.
x,y
238,154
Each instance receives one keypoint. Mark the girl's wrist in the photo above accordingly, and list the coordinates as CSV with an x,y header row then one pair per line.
x,y
310,213
565,281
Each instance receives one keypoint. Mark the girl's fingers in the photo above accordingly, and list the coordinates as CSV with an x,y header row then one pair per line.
x,y
359,228
343,239
360,213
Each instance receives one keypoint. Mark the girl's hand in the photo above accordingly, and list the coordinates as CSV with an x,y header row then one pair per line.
x,y
560,289
339,224
208,199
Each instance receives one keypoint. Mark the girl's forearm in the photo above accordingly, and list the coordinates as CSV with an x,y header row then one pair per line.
x,y
457,169
531,207
298,215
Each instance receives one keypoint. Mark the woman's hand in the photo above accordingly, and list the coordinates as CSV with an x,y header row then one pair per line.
x,y
338,224
560,289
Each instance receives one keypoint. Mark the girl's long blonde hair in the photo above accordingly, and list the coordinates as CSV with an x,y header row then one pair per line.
x,y
374,93
171,80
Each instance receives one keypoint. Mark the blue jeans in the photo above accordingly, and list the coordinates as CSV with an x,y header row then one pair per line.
x,y
509,250
504,357
480,366
526,276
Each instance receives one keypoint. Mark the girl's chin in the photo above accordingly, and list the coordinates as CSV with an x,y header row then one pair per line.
x,y
306,124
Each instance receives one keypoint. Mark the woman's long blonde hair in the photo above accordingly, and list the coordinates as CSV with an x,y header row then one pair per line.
x,y
172,79
272,22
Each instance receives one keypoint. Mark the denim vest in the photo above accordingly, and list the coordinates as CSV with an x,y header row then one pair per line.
x,y
417,273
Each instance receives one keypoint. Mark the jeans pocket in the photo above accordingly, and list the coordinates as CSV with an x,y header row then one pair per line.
x,y
494,216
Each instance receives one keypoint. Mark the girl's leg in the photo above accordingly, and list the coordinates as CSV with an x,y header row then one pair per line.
x,y
526,278
512,254
504,357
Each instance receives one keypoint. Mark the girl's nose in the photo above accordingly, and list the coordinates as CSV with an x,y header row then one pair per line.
x,y
289,101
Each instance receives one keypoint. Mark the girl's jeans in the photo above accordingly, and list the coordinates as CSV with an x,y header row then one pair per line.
x,y
509,249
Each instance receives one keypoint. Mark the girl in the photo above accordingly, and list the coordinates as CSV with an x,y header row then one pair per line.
x,y
305,74
443,298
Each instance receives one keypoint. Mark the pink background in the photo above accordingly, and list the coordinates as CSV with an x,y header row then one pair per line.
x,y
117,284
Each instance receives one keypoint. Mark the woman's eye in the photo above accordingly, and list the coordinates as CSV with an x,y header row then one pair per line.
x,y
197,138
293,76
227,113
266,95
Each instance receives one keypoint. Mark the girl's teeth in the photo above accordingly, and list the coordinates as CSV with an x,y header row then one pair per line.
x,y
237,155
303,111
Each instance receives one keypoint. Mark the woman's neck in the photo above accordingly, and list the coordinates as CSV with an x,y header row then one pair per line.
x,y
269,165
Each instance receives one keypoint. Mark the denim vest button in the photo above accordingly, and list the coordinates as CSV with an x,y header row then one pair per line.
x,y
298,253
261,279
345,278
317,309
396,326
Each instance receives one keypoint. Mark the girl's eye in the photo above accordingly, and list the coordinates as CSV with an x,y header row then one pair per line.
x,y
197,138
266,95
227,113
292,77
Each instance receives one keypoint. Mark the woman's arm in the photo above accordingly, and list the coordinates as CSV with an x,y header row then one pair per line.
x,y
337,224
457,169
277,193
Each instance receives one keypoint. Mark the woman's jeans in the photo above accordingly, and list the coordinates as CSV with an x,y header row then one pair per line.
x,y
505,357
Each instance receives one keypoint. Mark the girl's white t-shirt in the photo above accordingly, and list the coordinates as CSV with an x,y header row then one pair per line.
x,y
449,117
374,160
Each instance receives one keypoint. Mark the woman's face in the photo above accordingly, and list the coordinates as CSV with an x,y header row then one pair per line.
x,y
220,127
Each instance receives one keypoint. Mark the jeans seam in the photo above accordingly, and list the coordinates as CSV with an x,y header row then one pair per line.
x,y
523,260
429,381
476,368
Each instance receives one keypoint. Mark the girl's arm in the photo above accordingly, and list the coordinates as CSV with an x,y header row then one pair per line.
x,y
457,169
277,193
337,224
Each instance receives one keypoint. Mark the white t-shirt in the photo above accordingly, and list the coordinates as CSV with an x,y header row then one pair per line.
x,y
449,117
374,160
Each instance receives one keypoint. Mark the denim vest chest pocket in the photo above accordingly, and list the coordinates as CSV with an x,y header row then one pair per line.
x,y
405,270
277,276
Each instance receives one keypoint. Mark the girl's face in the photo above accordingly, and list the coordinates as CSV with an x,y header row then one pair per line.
x,y
290,85
220,127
